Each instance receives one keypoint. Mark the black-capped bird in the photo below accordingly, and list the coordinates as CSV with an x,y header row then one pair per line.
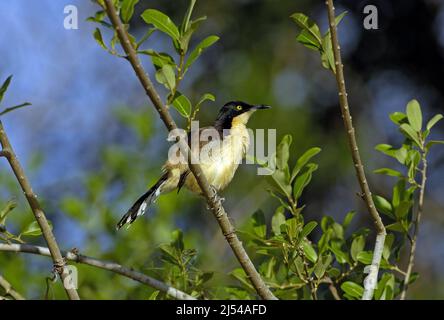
x,y
221,149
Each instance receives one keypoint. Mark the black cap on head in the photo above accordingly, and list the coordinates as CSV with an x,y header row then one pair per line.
x,y
232,109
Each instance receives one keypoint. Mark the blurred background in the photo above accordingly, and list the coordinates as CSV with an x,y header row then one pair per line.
x,y
91,143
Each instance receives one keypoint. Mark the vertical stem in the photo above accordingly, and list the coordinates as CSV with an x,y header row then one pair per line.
x,y
416,226
59,262
213,200
373,269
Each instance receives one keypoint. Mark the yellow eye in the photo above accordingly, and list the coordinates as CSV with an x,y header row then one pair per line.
x,y
239,108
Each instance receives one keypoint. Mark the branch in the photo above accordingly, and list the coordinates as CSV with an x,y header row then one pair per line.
x,y
9,290
416,224
59,262
371,280
213,200
106,265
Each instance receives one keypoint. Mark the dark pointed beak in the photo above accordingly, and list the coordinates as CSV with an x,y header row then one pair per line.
x,y
261,106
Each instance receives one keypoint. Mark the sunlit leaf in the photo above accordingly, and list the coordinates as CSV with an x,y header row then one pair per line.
x,y
162,22
182,104
127,9
166,76
354,290
410,133
433,121
207,42
303,160
414,115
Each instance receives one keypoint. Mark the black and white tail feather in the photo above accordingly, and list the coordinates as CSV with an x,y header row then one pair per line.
x,y
139,207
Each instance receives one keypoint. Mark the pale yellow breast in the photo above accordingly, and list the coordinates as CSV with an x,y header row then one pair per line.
x,y
226,156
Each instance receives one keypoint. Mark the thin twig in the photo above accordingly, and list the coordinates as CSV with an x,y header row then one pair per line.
x,y
9,290
213,200
59,262
331,287
371,280
416,226
106,265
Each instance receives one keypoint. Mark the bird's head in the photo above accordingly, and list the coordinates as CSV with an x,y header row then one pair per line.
x,y
236,112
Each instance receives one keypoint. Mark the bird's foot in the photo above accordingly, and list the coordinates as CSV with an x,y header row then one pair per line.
x,y
215,197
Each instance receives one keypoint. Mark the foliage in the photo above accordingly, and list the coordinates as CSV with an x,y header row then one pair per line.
x,y
169,71
298,257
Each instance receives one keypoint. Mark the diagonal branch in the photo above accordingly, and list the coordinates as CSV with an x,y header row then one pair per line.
x,y
106,265
213,200
59,262
9,290
416,228
373,269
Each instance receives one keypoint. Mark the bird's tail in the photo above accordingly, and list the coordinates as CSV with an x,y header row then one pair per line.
x,y
139,207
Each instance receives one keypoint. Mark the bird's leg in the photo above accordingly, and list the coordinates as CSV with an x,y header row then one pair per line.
x,y
214,196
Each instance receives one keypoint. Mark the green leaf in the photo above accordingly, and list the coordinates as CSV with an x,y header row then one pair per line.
x,y
154,295
357,246
389,239
433,121
399,154
340,255
383,206
398,118
327,57
14,108
433,142
4,87
309,251
410,133
389,172
281,182
311,31
365,257
303,180
348,219
207,42
205,97
354,290
159,59
387,281
33,229
187,17
321,265
182,104
278,220
162,22
303,160
166,76
398,193
283,152
414,115
308,40
397,226
259,225
240,275
403,209
308,228
127,9
10,205
186,36
98,37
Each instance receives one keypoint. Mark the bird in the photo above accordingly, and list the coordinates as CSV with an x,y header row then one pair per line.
x,y
221,148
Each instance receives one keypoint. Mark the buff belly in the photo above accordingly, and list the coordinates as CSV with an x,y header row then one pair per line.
x,y
220,166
